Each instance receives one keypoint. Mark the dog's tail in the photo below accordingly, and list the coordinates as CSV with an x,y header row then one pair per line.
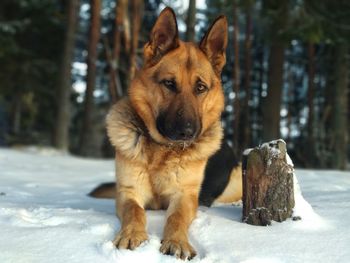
x,y
105,190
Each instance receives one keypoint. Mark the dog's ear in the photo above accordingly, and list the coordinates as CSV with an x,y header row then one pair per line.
x,y
214,44
164,36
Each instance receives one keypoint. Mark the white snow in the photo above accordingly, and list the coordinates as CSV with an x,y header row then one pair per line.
x,y
247,151
45,216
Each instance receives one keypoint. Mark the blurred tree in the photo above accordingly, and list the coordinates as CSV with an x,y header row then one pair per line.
x,y
339,121
85,143
136,18
277,13
28,67
61,133
236,81
334,19
307,28
191,21
246,122
114,78
310,38
310,96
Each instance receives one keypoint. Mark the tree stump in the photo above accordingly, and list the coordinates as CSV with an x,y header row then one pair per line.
x,y
268,192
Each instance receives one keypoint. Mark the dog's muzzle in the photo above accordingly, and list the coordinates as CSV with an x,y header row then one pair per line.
x,y
179,129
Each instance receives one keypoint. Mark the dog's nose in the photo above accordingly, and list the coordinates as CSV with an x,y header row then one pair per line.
x,y
186,132
180,129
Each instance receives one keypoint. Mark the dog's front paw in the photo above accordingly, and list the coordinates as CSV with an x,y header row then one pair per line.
x,y
130,239
180,249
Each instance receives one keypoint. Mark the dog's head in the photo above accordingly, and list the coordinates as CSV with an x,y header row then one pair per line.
x,y
178,91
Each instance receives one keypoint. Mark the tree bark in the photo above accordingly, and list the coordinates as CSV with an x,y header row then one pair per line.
x,y
338,122
126,32
311,89
272,102
291,104
310,151
113,57
61,133
137,9
94,35
112,85
261,59
16,114
236,81
248,64
268,190
191,21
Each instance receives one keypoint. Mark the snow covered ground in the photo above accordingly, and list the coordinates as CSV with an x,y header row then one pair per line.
x,y
45,216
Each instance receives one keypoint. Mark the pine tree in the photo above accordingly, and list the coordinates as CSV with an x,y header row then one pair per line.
x,y
337,123
272,104
236,81
61,134
136,17
246,123
94,36
191,21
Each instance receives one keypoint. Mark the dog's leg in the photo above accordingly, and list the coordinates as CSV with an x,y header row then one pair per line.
x,y
133,220
182,210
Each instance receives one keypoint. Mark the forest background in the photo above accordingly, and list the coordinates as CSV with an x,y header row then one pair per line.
x,y
63,63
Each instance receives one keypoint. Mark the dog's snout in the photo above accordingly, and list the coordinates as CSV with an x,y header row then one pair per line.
x,y
186,131
178,129
180,112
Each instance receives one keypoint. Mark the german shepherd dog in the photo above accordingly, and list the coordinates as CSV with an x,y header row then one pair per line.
x,y
167,136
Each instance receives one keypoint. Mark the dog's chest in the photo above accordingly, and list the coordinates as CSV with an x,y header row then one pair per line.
x,y
168,171
164,172
164,167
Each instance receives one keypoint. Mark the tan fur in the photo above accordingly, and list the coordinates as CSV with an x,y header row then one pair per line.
x,y
153,171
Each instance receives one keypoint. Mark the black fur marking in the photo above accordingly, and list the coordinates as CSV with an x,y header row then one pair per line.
x,y
99,191
217,174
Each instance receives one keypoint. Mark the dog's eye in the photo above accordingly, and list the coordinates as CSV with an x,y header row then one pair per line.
x,y
170,84
201,88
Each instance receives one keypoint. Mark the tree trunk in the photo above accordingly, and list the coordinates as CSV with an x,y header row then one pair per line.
x,y
112,85
272,102
16,115
338,121
137,9
291,104
311,89
115,87
94,35
236,81
126,25
268,190
261,59
61,133
310,151
191,21
247,73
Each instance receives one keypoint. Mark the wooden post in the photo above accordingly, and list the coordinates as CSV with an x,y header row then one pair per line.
x,y
268,192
